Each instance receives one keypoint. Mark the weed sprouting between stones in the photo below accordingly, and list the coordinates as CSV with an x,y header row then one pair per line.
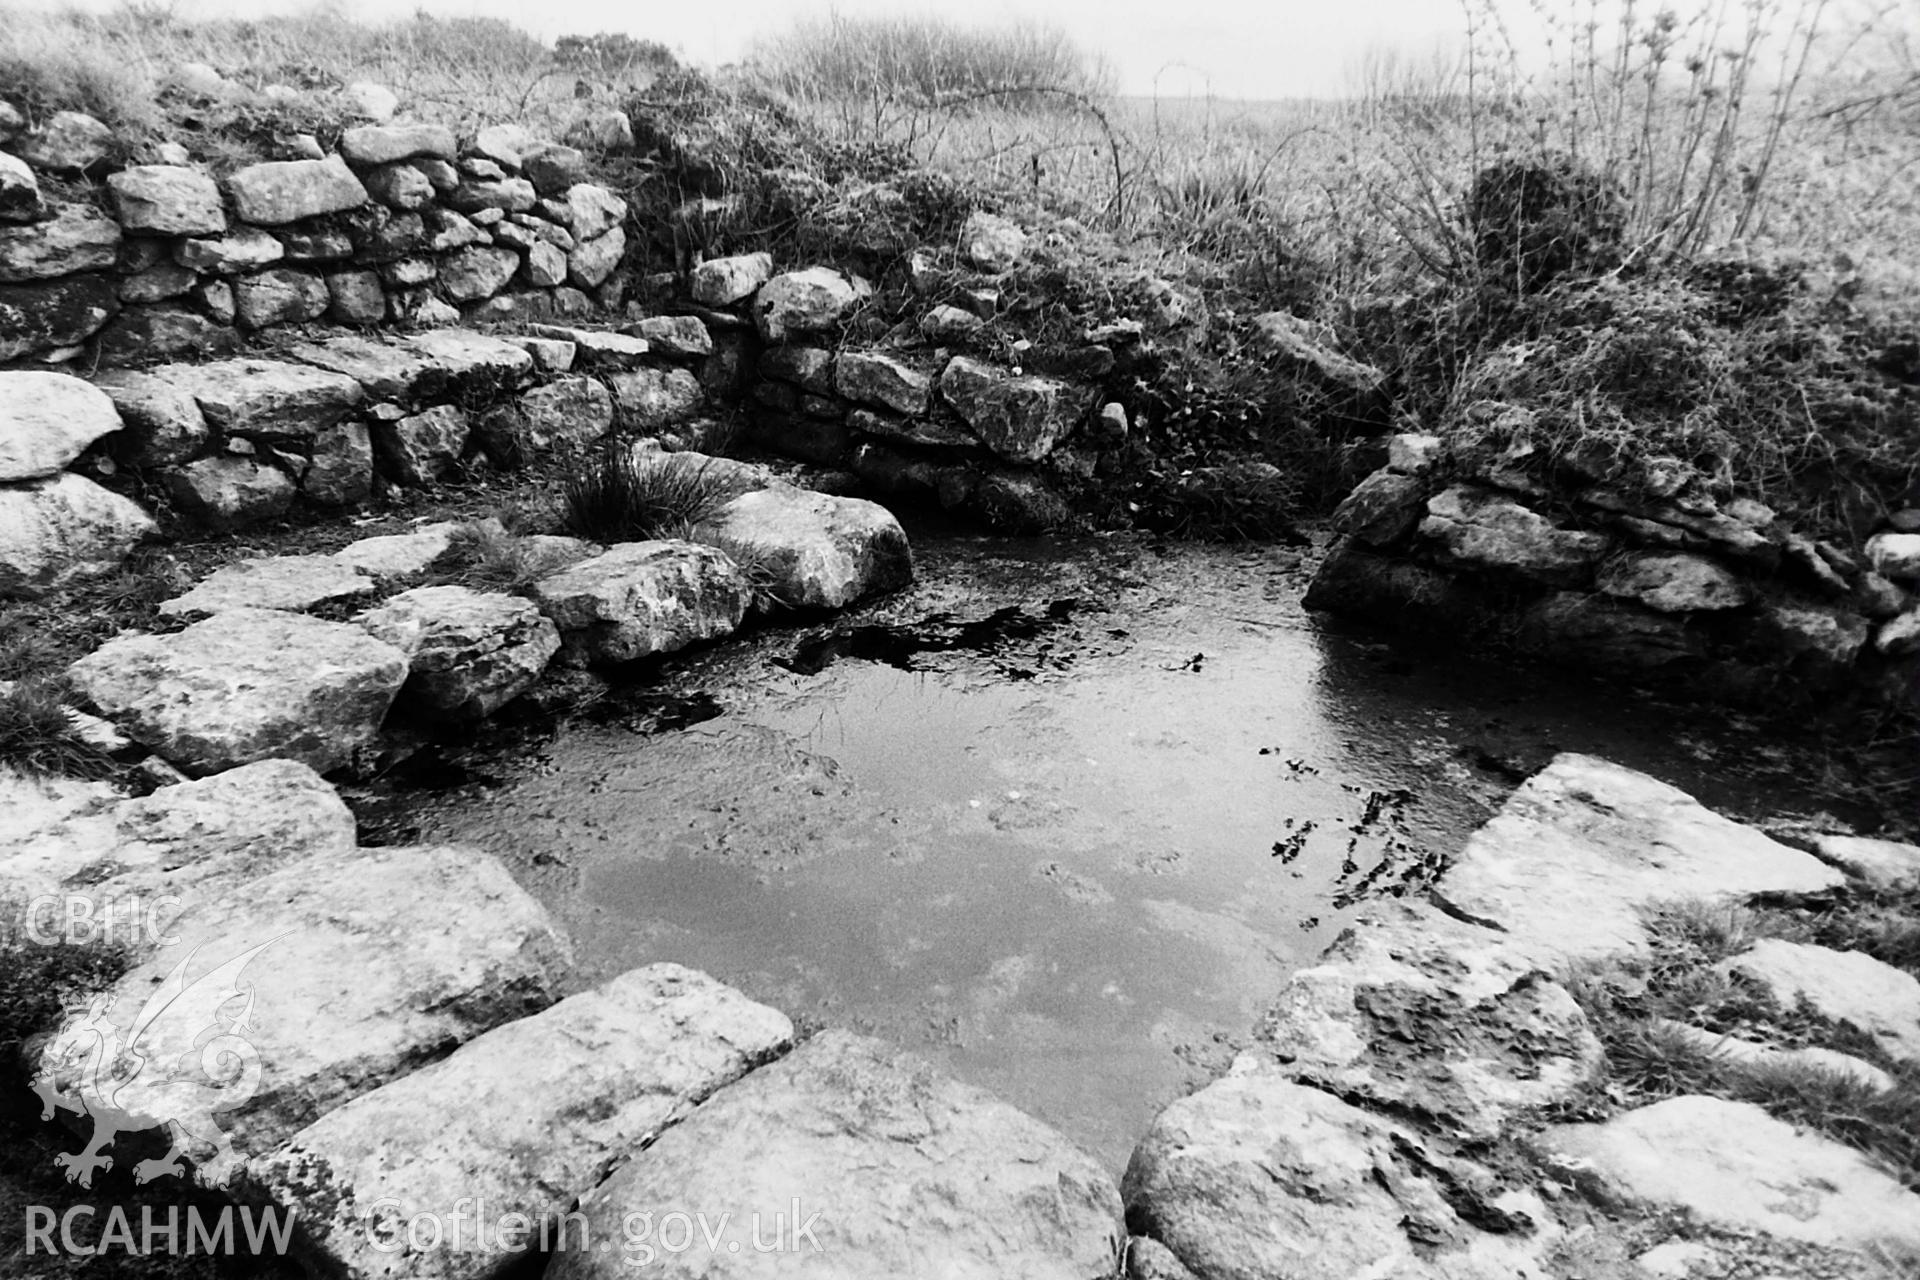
x,y
37,735
1634,1004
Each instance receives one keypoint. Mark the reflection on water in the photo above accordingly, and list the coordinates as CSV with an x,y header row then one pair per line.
x,y
1061,823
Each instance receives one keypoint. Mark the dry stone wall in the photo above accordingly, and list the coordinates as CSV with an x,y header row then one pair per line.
x,y
1644,572
402,224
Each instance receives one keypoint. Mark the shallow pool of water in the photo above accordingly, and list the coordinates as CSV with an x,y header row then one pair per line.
x,y
1062,818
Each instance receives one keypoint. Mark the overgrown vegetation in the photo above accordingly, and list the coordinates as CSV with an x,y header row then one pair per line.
x,y
1635,1005
38,735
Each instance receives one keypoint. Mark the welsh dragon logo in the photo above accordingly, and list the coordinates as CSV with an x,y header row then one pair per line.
x,y
182,1060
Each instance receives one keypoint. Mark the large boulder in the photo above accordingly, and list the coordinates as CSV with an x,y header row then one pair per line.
x,y
1019,417
283,191
1417,1013
568,412
646,400
165,332
385,370
47,420
469,652
340,471
294,583
1382,509
167,200
68,142
360,965
77,238
227,492
19,190
1291,343
477,272
424,448
241,249
160,422
642,598
1258,1176
906,1173
269,400
809,549
376,144
1482,530
1674,583
868,377
1731,1166
593,261
721,282
990,242
54,313
57,530
524,1119
800,302
280,296
246,685
1569,863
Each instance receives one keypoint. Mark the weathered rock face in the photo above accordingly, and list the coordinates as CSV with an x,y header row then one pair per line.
x,y
361,965
1734,1166
1676,583
644,597
385,370
820,552
809,368
399,555
1848,986
911,1174
226,829
424,448
267,399
77,238
1019,417
279,296
606,129
1573,855
721,282
526,1117
285,191
46,420
246,685
164,332
1485,530
875,379
160,422
158,283
55,531
1256,1176
58,313
466,359
990,242
810,301
469,652
1364,1023
294,583
649,399
1382,509
167,200
230,493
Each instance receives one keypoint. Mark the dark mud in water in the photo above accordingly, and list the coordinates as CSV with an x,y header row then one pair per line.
x,y
1062,818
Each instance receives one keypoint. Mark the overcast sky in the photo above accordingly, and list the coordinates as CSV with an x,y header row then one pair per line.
x,y
1231,48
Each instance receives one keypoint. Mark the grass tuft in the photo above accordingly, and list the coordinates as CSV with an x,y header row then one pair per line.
x,y
37,733
624,497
